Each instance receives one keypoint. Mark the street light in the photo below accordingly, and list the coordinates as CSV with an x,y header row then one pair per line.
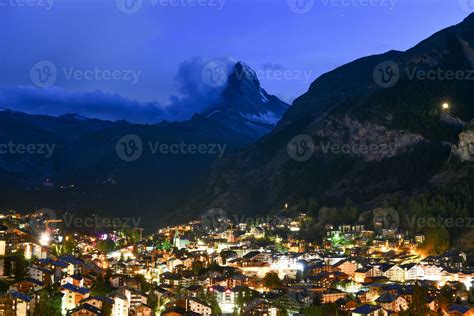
x,y
445,106
45,239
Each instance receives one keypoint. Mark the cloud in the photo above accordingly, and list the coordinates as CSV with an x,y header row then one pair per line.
x,y
94,104
192,96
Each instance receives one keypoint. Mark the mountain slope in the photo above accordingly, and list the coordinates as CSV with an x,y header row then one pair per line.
x,y
245,106
86,171
405,134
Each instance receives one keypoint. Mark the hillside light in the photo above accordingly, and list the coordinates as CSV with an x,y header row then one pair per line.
x,y
445,106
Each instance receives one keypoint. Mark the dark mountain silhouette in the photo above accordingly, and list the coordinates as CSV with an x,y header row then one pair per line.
x,y
85,172
396,136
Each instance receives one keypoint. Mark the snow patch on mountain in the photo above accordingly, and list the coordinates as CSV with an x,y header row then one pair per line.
x,y
264,97
267,118
212,113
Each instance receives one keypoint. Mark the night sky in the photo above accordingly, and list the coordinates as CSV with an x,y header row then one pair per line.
x,y
158,49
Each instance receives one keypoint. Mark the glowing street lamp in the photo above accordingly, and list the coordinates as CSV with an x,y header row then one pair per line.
x,y
45,239
445,106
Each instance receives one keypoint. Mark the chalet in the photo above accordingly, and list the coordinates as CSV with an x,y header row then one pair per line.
x,y
199,307
15,303
72,295
142,310
369,310
85,310
332,295
346,266
392,303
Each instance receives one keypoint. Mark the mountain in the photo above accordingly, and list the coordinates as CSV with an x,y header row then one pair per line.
x,y
87,170
379,127
245,107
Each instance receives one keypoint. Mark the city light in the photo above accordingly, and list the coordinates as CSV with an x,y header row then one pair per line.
x,y
445,106
45,239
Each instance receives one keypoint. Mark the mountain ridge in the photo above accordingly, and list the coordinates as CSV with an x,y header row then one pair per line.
x,y
86,157
263,177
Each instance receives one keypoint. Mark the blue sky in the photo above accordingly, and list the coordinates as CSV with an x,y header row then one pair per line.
x,y
157,53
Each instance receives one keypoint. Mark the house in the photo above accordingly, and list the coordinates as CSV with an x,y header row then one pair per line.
x,y
360,274
257,307
27,285
392,303
460,310
374,272
332,295
430,272
72,296
59,268
363,296
173,279
369,310
255,257
199,307
178,311
410,271
346,266
134,297
85,310
121,305
41,274
393,272
16,303
161,293
117,280
347,304
238,280
74,279
74,265
225,297
142,310
97,301
283,302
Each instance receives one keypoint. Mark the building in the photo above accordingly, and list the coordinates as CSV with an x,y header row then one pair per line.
x,y
72,296
369,310
199,307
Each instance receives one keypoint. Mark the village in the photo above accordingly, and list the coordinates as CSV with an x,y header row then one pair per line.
x,y
214,266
